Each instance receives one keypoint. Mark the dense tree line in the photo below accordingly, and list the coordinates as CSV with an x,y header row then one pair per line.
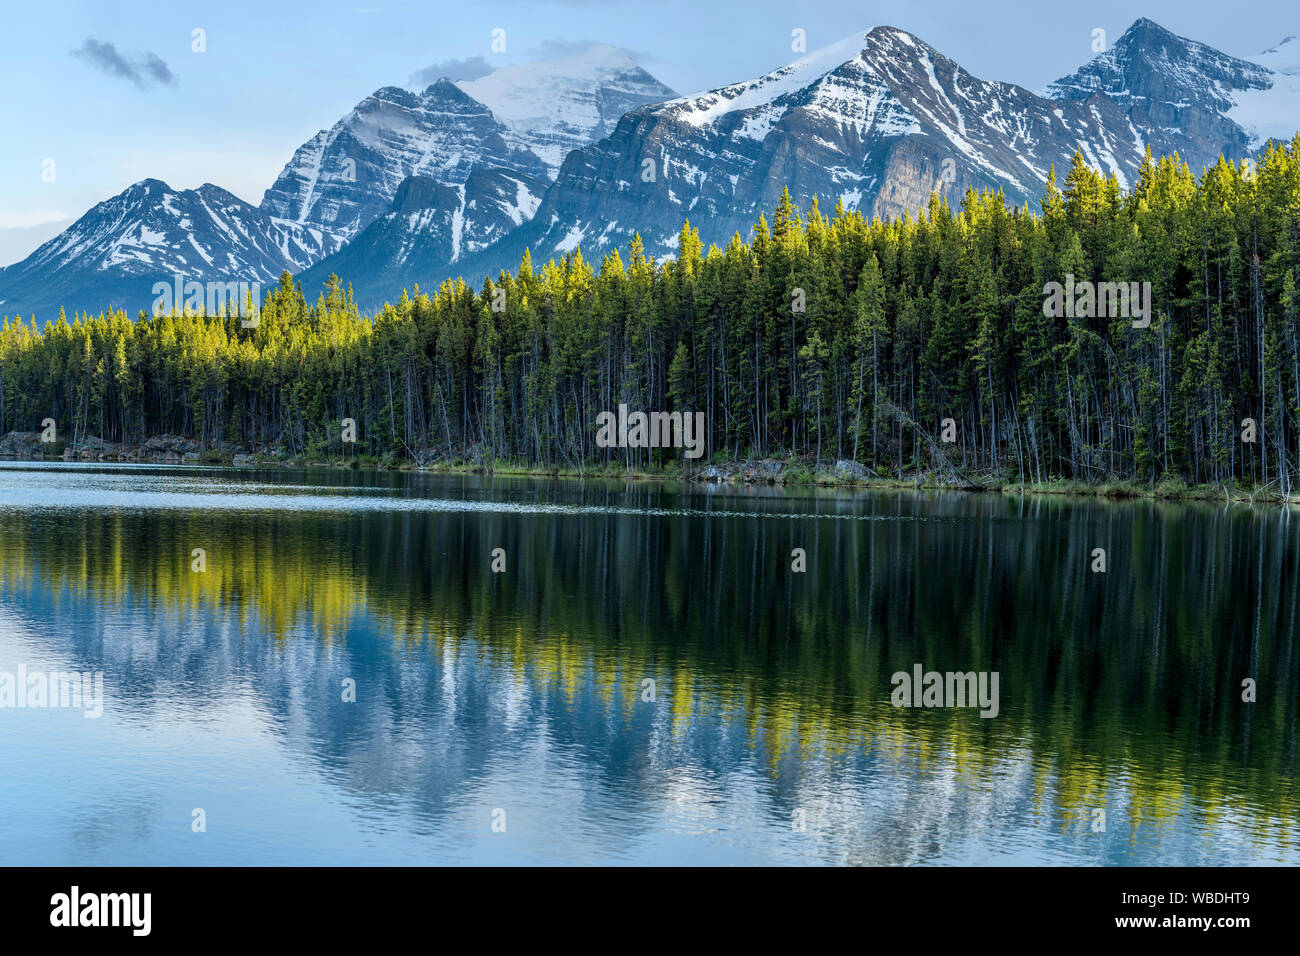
x,y
821,337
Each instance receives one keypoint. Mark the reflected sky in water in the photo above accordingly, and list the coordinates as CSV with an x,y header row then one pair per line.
x,y
524,691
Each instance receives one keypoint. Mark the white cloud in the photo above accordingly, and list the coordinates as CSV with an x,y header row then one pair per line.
x,y
31,217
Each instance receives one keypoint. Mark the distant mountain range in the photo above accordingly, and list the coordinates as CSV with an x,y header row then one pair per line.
x,y
478,156
589,148
148,233
879,121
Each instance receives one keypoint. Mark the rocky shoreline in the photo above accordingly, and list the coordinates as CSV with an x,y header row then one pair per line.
x,y
774,472
177,449
163,449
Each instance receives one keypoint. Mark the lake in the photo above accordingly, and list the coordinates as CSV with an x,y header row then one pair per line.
x,y
324,667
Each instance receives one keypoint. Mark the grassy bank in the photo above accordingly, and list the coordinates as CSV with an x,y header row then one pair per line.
x,y
784,473
794,474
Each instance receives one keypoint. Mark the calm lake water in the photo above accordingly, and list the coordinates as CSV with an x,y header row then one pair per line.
x,y
519,698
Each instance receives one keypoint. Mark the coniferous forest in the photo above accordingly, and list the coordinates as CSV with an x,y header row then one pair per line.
x,y
820,338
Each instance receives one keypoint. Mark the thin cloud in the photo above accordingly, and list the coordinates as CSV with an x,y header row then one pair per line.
x,y
30,218
145,70
554,49
160,72
474,67
469,68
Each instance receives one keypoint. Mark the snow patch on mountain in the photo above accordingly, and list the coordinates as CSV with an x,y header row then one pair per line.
x,y
1274,112
149,233
553,106
706,107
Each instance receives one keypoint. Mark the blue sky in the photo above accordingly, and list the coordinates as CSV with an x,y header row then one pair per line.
x,y
113,92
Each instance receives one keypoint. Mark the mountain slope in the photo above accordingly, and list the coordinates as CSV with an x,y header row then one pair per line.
x,y
150,233
454,179
876,122
498,140
555,106
429,223
341,181
1274,112
1185,96
879,121
523,119
344,177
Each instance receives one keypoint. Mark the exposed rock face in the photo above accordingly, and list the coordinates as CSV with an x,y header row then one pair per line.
x,y
169,444
877,123
338,183
1179,95
765,471
851,470
430,223
346,176
521,120
24,446
149,233
558,105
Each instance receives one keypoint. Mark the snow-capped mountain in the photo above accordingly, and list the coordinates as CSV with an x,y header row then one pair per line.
x,y
1282,58
429,223
523,119
496,141
554,106
343,177
150,233
879,121
876,122
1185,96
456,179
1274,112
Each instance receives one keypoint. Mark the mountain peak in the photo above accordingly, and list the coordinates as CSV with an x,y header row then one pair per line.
x,y
345,176
1152,63
462,172
387,94
113,254
894,35
554,106
1145,34
886,43
581,63
440,87
444,89
147,186
523,119
1147,26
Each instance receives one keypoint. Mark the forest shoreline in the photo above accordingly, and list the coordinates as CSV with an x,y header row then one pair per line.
x,y
933,347
745,476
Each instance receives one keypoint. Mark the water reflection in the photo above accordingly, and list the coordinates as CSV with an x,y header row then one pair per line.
x,y
524,691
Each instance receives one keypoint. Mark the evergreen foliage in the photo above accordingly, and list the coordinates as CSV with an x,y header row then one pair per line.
x,y
904,323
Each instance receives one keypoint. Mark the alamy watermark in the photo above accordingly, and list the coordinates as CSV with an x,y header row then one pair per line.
x,y
129,910
651,430
1098,300
923,688
83,690
239,298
